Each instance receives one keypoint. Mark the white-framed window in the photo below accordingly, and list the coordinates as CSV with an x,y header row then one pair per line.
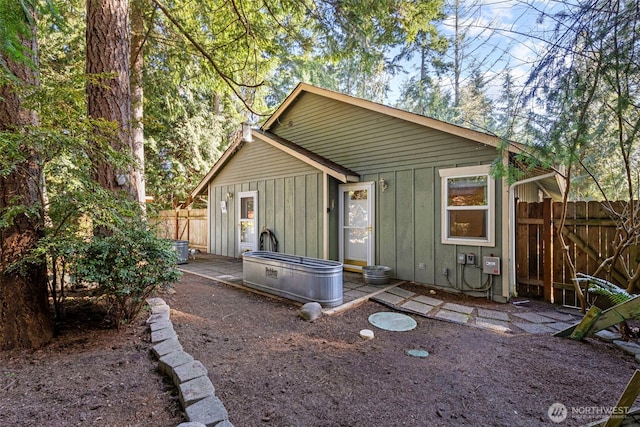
x,y
468,206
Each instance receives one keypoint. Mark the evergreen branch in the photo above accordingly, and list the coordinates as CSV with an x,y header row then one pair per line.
x,y
602,287
231,83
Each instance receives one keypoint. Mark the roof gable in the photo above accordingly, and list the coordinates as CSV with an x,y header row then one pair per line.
x,y
314,160
339,172
302,88
330,158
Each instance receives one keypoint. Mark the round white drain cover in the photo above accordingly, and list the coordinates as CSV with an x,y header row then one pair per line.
x,y
416,352
390,321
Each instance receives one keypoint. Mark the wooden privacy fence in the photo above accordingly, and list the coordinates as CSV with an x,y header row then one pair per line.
x,y
184,224
541,269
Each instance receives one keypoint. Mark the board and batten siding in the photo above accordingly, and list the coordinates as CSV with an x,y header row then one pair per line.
x,y
367,141
408,156
289,200
408,230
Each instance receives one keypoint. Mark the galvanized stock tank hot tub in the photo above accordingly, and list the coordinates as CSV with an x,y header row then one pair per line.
x,y
298,278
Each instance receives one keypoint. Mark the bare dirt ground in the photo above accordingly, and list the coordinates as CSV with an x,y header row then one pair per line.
x,y
89,375
270,368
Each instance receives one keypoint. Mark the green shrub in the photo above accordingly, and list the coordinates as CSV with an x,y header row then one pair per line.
x,y
127,267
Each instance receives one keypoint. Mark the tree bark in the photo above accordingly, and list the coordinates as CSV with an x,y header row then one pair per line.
x,y
25,318
108,91
137,110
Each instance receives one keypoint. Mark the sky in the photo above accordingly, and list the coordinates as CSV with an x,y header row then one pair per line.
x,y
500,35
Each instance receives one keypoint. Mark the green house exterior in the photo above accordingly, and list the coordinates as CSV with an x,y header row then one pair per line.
x,y
321,151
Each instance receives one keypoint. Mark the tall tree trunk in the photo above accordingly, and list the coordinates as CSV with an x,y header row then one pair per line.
x,y
457,48
423,76
108,92
137,110
25,318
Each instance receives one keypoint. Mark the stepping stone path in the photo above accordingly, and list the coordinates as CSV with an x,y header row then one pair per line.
x,y
539,322
529,322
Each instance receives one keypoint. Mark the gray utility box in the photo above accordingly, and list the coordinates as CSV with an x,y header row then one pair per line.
x,y
491,265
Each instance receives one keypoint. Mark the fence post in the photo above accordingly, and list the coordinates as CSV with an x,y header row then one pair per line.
x,y
189,225
547,251
175,212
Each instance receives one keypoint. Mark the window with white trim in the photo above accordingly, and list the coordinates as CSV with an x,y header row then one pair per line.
x,y
468,206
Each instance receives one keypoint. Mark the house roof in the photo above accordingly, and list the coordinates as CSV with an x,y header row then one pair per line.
x,y
331,168
552,186
337,171
343,174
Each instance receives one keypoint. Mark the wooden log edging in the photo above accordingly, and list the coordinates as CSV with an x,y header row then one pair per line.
x,y
196,391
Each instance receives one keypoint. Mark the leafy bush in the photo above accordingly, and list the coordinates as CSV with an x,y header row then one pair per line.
x,y
60,253
127,267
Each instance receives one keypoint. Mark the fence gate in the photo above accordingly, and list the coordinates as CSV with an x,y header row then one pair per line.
x,y
589,232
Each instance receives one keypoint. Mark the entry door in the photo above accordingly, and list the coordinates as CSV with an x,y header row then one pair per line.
x,y
248,222
356,210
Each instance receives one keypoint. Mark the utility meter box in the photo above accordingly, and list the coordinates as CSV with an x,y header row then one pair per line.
x,y
491,265
471,259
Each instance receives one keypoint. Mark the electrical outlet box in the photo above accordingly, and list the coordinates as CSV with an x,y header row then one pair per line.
x,y
462,259
471,259
445,271
491,265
